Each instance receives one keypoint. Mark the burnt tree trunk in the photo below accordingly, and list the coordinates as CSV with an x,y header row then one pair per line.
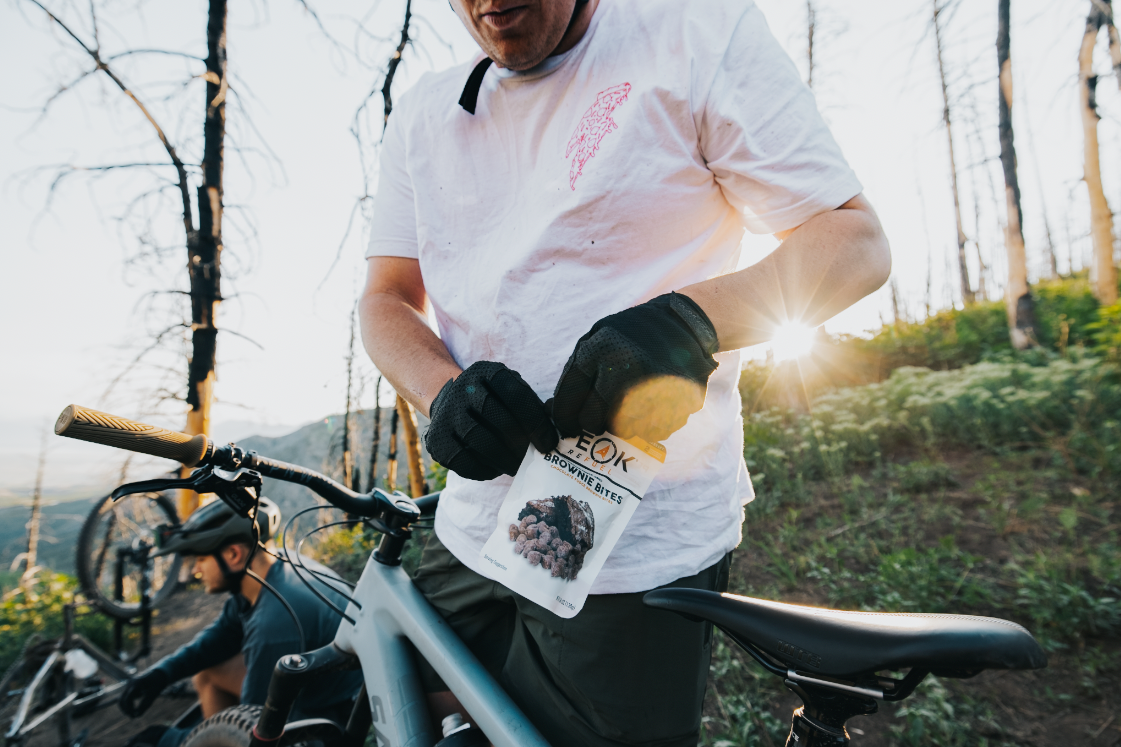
x,y
347,456
391,458
967,295
1103,271
375,442
204,253
1017,295
36,514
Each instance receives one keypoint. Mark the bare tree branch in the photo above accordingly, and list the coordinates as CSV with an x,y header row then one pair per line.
x,y
94,53
139,357
168,52
228,331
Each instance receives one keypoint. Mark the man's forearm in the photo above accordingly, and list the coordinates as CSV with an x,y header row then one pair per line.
x,y
404,348
823,267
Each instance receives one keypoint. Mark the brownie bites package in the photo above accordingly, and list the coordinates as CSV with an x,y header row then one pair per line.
x,y
563,515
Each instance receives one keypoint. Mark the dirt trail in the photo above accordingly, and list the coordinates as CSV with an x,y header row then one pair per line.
x,y
184,614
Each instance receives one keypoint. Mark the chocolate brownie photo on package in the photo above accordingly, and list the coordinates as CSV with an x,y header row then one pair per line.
x,y
563,515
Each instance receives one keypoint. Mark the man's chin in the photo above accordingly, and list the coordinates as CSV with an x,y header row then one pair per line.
x,y
518,59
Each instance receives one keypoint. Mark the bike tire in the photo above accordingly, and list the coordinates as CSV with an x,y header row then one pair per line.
x,y
232,727
110,524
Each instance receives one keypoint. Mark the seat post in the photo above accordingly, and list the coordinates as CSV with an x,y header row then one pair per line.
x,y
820,721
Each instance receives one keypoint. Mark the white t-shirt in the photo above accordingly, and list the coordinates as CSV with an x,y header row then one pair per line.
x,y
623,169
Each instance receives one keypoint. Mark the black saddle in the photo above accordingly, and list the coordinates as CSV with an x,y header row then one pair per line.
x,y
853,645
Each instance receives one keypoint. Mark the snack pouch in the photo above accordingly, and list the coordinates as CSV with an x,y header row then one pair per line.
x,y
563,515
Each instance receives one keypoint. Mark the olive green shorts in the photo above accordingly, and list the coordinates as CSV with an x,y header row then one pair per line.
x,y
619,673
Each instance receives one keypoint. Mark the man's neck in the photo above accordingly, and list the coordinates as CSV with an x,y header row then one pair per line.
x,y
251,587
577,28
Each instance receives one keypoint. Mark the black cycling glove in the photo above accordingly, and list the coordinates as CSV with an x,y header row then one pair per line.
x,y
668,336
141,691
484,420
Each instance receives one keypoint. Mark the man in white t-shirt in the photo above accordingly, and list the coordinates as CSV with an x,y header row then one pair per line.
x,y
573,212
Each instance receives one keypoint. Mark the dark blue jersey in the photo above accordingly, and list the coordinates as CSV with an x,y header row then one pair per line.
x,y
263,633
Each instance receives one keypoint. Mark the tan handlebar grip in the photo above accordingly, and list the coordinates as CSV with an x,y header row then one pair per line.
x,y
85,424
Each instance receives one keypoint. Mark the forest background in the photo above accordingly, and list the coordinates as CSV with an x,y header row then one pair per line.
x,y
912,461
76,281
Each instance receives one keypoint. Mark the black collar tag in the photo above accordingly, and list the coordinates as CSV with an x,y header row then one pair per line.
x,y
470,97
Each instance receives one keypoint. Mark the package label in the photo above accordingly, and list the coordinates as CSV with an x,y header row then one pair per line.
x,y
563,515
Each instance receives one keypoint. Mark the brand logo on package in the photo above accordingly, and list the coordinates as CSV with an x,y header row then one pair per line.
x,y
602,451
593,127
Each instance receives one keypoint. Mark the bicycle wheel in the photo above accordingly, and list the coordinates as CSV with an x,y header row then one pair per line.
x,y
111,526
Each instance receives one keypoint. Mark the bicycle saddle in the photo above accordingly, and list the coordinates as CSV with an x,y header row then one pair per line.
x,y
846,644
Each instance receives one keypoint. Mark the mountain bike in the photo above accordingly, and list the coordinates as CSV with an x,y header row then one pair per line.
x,y
838,663
110,531
56,680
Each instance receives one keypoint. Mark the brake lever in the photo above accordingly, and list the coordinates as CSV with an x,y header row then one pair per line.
x,y
150,486
238,488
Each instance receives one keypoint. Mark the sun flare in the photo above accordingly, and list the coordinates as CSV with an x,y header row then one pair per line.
x,y
793,340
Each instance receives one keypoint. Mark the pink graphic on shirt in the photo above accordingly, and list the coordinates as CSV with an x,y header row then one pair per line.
x,y
593,127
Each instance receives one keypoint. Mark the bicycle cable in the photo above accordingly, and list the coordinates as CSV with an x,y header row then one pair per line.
x,y
299,628
253,575
320,574
327,578
297,565
300,544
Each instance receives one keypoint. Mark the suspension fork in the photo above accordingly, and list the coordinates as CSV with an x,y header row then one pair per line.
x,y
290,676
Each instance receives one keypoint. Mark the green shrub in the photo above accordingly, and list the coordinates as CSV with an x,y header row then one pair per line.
x,y
1064,303
923,475
37,609
743,693
933,717
1061,607
1107,332
1070,406
950,339
345,550
1067,318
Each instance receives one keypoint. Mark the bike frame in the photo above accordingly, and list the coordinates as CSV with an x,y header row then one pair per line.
x,y
119,668
392,622
55,666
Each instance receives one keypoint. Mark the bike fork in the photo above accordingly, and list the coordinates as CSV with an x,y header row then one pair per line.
x,y
292,674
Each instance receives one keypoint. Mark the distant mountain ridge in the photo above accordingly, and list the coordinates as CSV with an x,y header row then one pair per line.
x,y
318,446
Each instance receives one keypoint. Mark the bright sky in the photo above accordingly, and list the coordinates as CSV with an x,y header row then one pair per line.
x,y
77,309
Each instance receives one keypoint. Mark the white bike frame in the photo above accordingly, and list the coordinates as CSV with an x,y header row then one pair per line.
x,y
392,622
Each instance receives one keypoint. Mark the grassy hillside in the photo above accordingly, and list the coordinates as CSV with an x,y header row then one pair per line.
x,y
991,490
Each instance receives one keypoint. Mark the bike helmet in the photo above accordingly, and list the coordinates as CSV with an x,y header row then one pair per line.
x,y
215,525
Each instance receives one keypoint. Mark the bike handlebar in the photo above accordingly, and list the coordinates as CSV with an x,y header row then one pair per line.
x,y
334,493
85,424
198,451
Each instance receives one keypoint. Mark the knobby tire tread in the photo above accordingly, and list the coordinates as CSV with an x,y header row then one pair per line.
x,y
232,727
